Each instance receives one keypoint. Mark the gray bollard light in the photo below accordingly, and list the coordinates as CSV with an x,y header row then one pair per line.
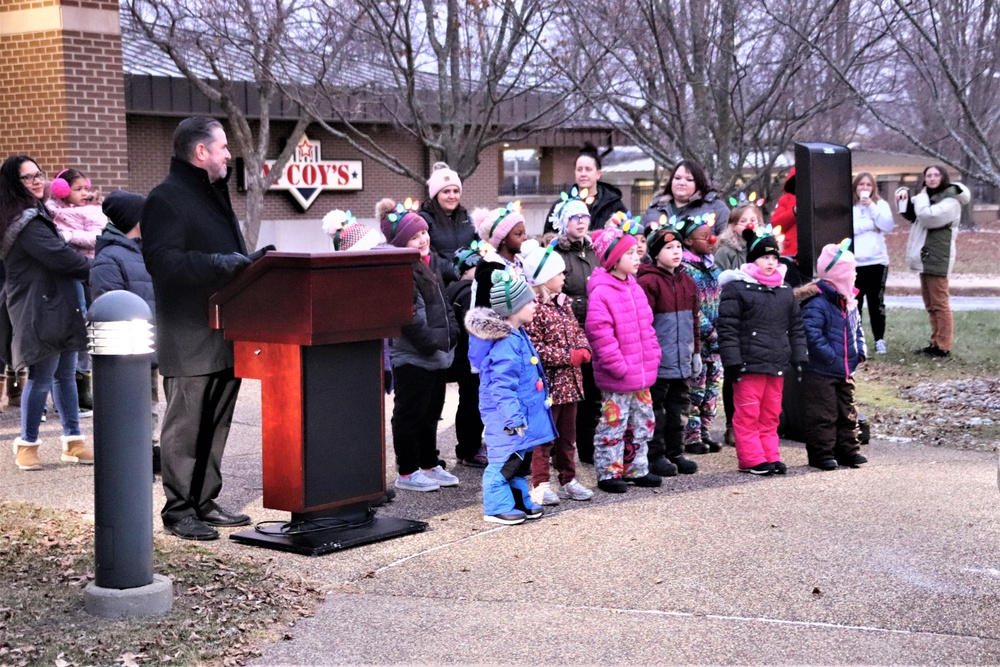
x,y
121,344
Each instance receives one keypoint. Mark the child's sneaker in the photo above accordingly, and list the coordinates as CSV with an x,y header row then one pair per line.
x,y
477,461
573,490
543,494
506,518
441,476
880,346
760,469
780,468
417,481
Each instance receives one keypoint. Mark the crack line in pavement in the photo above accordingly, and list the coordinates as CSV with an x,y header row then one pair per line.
x,y
440,546
779,621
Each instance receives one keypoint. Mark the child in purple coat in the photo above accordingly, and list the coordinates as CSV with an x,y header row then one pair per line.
x,y
626,357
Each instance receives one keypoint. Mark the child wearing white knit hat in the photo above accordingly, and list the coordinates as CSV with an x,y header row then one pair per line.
x,y
563,348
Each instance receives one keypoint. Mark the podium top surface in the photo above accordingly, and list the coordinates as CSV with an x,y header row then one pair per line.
x,y
314,299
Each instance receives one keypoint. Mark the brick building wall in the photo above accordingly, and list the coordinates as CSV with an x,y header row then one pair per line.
x,y
61,86
150,145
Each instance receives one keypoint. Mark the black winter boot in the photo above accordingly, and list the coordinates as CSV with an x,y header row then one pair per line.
x,y
613,485
685,466
662,466
649,480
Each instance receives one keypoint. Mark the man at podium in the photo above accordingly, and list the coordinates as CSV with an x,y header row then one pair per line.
x,y
192,246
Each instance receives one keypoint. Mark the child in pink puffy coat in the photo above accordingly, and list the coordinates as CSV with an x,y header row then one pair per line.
x,y
626,357
76,211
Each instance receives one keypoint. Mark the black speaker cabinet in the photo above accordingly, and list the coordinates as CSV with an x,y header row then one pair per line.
x,y
823,200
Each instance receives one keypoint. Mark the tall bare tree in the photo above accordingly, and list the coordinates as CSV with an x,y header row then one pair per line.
x,y
233,52
710,80
933,77
457,76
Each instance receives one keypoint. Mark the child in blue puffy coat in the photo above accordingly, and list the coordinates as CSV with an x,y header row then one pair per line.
x,y
513,398
836,343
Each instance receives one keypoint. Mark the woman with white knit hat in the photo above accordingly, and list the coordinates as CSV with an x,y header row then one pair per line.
x,y
447,220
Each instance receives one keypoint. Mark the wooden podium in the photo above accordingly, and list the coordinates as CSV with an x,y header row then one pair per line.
x,y
310,328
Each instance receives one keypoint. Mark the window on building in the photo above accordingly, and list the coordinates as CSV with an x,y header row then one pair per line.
x,y
521,170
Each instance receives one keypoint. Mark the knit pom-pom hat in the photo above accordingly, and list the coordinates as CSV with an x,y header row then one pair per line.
x,y
838,266
399,222
610,245
347,233
541,263
495,225
509,294
761,241
441,177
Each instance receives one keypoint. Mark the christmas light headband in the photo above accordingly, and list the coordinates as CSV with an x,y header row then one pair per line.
x,y
842,247
548,251
743,199
334,223
511,207
408,206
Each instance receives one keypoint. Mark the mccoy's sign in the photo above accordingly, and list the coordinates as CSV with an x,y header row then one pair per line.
x,y
307,174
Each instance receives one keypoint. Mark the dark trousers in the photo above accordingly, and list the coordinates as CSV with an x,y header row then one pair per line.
x,y
415,416
195,429
671,403
831,418
728,378
871,288
588,413
561,449
468,422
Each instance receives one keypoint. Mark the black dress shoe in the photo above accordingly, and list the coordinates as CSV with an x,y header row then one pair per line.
x,y
220,517
191,528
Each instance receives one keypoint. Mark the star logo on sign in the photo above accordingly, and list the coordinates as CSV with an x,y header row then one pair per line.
x,y
306,149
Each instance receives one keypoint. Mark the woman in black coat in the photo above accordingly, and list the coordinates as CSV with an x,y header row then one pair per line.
x,y
603,199
42,327
447,220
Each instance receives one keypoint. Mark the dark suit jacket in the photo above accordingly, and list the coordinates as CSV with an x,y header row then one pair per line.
x,y
186,220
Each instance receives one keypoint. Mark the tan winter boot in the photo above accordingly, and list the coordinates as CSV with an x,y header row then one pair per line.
x,y
75,450
26,455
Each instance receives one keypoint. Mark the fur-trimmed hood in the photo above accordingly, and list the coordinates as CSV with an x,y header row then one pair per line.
x,y
729,238
486,324
580,245
805,292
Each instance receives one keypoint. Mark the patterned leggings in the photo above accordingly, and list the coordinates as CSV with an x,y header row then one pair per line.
x,y
622,437
704,395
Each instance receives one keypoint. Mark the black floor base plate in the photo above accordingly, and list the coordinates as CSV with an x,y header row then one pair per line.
x,y
320,542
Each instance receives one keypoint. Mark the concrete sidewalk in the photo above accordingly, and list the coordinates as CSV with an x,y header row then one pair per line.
x,y
907,283
896,562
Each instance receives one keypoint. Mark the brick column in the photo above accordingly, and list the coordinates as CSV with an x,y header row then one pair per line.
x,y
62,91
